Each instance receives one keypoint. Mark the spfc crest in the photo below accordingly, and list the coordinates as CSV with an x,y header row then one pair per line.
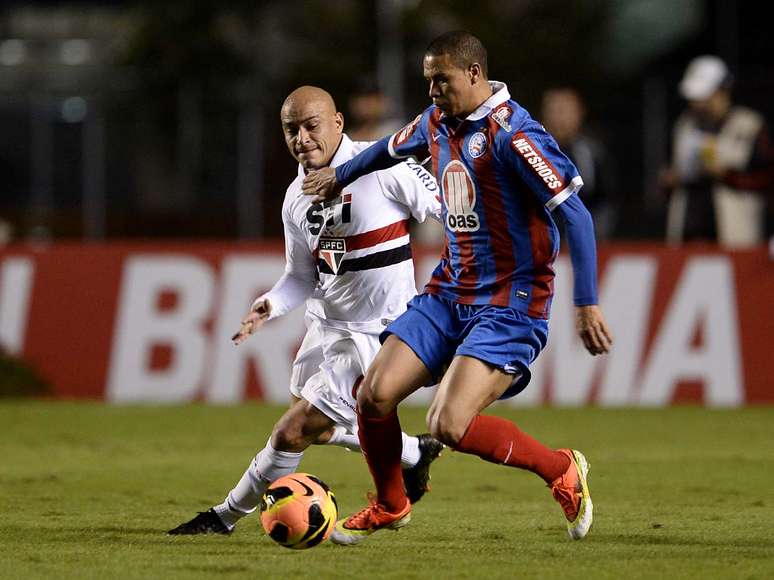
x,y
477,145
331,251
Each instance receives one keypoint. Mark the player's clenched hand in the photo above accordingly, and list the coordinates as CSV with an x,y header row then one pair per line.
x,y
321,184
253,321
593,329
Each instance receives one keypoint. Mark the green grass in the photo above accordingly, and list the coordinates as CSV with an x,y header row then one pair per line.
x,y
87,491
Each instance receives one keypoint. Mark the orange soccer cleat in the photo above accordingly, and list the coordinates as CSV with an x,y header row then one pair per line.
x,y
373,518
571,490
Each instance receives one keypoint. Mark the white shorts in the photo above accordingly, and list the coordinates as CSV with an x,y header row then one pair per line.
x,y
328,364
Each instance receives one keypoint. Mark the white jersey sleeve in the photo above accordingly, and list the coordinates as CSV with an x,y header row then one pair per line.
x,y
300,277
412,185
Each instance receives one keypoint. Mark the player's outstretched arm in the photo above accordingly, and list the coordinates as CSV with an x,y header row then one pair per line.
x,y
258,314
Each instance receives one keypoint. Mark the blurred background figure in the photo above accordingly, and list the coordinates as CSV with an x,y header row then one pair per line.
x,y
563,114
156,120
370,112
6,232
722,163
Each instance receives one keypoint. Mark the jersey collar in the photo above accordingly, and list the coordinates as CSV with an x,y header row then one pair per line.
x,y
344,153
500,94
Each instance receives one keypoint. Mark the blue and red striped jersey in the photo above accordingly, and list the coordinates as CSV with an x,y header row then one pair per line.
x,y
501,176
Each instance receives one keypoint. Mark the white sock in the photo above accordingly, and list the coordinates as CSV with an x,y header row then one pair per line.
x,y
409,456
343,438
267,466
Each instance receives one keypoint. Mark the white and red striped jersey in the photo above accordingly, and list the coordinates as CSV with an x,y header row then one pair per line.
x,y
350,257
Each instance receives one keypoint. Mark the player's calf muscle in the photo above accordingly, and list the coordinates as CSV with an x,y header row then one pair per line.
x,y
287,438
324,437
296,430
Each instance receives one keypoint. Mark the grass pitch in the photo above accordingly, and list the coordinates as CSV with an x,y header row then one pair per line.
x,y
88,491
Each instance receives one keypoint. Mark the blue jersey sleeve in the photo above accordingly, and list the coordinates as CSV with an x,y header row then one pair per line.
x,y
579,228
550,175
411,140
537,160
375,158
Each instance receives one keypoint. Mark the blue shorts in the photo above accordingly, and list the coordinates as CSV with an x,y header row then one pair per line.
x,y
437,330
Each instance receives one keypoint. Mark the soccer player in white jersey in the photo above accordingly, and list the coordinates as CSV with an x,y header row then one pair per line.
x,y
350,259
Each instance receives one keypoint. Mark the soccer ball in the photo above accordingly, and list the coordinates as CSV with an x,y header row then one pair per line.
x,y
298,511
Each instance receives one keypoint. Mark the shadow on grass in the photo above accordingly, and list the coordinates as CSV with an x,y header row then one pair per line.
x,y
215,570
139,535
682,541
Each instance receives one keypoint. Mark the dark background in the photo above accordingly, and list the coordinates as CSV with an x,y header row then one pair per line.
x,y
160,119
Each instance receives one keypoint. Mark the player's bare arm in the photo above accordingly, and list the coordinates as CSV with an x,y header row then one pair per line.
x,y
322,184
592,329
258,314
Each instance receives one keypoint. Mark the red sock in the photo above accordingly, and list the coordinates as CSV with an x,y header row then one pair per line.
x,y
500,441
382,444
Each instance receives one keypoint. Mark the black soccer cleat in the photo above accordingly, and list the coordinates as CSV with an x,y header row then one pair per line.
x,y
416,478
207,522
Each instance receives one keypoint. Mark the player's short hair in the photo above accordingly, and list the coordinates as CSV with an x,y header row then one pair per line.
x,y
463,47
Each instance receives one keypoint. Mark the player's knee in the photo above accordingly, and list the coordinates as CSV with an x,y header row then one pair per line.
x,y
370,404
371,396
448,427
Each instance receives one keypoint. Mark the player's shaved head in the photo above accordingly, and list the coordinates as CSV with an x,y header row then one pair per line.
x,y
308,95
312,126
463,47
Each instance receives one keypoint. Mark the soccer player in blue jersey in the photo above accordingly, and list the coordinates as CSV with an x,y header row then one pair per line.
x,y
485,311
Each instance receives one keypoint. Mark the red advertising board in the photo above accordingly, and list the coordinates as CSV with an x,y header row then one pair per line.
x,y
151,323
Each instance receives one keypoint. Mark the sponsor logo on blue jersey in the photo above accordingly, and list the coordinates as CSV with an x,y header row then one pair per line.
x,y
459,194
